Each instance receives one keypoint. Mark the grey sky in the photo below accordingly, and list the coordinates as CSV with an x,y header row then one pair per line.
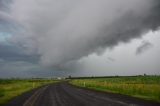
x,y
87,37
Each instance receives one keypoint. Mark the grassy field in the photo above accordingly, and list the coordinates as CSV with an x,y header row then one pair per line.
x,y
10,88
147,87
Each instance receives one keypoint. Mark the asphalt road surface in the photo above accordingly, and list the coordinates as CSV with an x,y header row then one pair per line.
x,y
64,94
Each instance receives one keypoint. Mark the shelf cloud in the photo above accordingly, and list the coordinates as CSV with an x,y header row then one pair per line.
x,y
60,32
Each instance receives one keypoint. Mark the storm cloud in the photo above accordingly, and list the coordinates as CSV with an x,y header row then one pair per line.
x,y
62,32
145,45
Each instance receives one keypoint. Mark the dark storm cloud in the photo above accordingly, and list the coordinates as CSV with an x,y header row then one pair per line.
x,y
143,47
14,53
7,24
17,69
62,32
4,5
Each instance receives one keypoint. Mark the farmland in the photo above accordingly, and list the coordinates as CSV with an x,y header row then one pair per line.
x,y
10,88
146,87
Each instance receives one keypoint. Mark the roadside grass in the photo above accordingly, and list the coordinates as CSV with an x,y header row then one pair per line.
x,y
10,88
146,87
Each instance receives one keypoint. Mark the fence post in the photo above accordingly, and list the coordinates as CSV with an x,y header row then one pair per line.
x,y
33,85
84,84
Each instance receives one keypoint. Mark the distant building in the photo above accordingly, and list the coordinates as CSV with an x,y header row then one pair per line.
x,y
59,78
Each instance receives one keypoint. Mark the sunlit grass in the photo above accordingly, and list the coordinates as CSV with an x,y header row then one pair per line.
x,y
147,87
12,88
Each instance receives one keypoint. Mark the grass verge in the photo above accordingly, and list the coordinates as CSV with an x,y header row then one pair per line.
x,y
146,87
13,87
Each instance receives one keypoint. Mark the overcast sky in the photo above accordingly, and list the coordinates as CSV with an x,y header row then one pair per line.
x,y
45,38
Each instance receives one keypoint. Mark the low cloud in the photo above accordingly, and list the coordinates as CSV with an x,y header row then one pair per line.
x,y
145,46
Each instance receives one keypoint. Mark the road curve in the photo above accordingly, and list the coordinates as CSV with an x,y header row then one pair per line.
x,y
64,94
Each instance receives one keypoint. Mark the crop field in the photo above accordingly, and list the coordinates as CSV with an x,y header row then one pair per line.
x,y
10,88
146,87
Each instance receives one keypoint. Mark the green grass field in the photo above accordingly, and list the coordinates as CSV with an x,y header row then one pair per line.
x,y
147,87
13,87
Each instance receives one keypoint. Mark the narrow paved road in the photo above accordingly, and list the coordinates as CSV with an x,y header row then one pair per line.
x,y
64,94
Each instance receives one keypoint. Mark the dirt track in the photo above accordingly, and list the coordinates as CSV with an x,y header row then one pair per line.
x,y
64,94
